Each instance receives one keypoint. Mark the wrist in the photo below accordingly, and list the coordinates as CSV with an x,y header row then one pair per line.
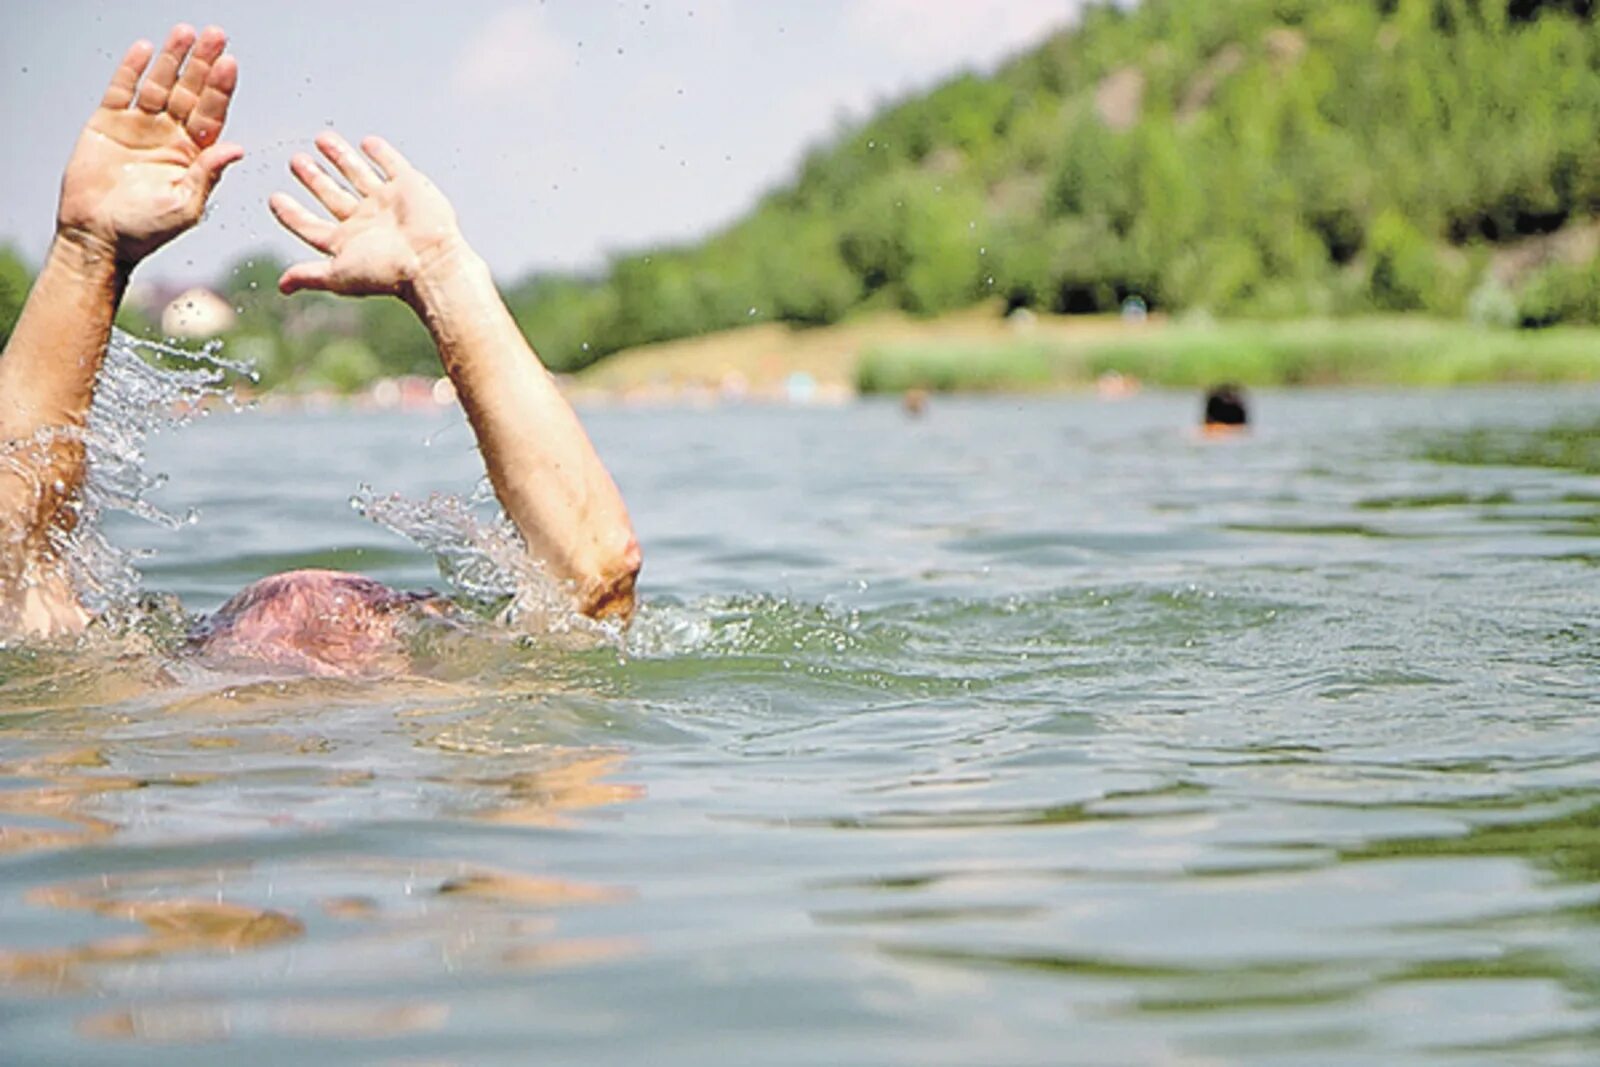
x,y
442,268
89,257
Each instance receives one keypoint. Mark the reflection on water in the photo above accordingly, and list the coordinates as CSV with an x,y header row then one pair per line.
x,y
1032,732
1574,447
475,916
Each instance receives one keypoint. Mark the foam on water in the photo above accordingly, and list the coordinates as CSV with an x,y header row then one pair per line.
x,y
483,558
144,387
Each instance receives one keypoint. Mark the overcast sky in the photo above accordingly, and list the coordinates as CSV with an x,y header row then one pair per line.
x,y
562,129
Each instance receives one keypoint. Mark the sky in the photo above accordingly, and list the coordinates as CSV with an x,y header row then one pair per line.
x,y
563,130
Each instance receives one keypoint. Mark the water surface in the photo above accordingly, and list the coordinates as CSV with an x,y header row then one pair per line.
x,y
1032,732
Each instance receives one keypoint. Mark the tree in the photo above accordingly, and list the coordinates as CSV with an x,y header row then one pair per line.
x,y
15,281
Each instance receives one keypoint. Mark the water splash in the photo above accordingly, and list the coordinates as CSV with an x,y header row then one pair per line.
x,y
483,558
144,387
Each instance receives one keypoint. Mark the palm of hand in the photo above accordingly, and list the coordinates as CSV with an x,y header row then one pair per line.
x,y
387,228
132,182
149,156
381,247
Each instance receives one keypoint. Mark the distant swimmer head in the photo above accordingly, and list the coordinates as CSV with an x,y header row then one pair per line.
x,y
1226,411
325,624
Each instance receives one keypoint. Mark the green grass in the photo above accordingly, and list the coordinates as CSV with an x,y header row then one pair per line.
x,y
1370,351
963,367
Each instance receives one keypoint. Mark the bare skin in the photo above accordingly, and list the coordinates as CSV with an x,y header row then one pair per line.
x,y
141,174
396,234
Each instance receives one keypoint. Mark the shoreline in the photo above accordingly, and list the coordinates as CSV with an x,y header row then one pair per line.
x,y
979,351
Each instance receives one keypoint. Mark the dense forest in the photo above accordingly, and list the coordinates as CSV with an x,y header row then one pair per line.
x,y
1261,159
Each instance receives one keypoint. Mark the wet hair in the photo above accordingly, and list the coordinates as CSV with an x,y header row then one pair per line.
x,y
321,623
1225,406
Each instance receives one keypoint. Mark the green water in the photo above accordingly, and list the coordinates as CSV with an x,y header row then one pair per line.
x,y
1032,732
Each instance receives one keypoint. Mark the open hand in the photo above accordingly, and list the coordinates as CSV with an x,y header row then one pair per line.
x,y
384,235
150,155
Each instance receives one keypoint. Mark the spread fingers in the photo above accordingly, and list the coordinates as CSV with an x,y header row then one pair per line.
x,y
385,155
211,109
314,231
192,81
329,193
163,74
119,94
356,170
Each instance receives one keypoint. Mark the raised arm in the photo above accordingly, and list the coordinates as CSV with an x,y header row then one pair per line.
x,y
394,233
139,176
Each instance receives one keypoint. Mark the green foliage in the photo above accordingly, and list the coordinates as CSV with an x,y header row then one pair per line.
x,y
15,280
396,339
1365,351
345,365
563,318
1264,159
1403,269
1561,293
298,341
950,368
1409,350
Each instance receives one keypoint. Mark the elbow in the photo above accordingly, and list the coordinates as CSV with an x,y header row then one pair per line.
x,y
611,594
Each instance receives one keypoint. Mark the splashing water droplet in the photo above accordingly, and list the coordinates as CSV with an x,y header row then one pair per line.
x,y
483,557
144,387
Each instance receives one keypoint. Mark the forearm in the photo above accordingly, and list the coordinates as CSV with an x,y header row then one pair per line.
x,y
48,370
543,467
47,377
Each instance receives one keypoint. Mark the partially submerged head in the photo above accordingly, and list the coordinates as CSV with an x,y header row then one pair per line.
x,y
322,623
1225,410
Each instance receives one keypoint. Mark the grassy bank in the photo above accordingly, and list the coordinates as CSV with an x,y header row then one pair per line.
x,y
1370,351
763,356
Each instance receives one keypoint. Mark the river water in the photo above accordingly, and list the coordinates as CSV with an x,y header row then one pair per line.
x,y
1031,732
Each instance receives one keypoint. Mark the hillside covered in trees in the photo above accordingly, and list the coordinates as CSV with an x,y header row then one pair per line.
x,y
1260,158
1253,158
